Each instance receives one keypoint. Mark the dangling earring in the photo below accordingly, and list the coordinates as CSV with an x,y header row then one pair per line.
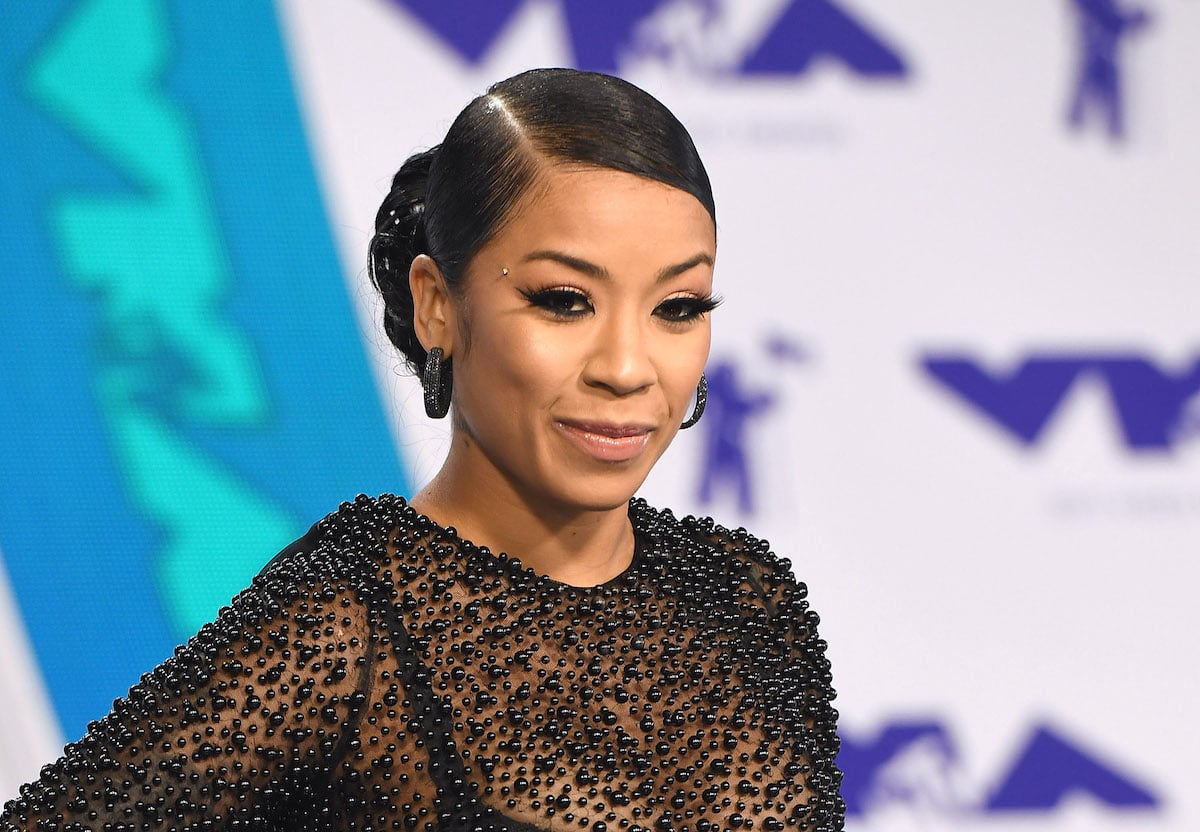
x,y
701,401
438,382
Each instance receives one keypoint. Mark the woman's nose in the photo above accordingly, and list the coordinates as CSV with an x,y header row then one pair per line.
x,y
620,358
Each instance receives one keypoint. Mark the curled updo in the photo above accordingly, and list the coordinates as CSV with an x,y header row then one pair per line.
x,y
450,200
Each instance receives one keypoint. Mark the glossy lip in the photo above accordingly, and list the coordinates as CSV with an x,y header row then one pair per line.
x,y
607,441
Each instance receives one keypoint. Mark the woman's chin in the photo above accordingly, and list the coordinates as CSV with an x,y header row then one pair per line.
x,y
599,494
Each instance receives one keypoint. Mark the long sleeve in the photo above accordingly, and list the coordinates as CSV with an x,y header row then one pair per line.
x,y
233,731
791,671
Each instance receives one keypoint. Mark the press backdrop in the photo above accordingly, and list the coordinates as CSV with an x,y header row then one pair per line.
x,y
956,379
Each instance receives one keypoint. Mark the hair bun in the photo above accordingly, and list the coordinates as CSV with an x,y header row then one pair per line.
x,y
399,238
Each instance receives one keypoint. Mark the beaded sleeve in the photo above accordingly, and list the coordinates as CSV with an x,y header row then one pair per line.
x,y
238,725
791,668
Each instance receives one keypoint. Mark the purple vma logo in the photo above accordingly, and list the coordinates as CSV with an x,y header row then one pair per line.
x,y
700,34
1158,409
917,764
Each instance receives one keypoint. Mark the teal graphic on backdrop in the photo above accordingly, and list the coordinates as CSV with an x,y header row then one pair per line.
x,y
193,323
98,76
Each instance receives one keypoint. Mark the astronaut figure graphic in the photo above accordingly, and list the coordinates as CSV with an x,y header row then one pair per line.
x,y
729,410
1102,26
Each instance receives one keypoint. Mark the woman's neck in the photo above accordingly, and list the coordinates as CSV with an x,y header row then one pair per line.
x,y
573,545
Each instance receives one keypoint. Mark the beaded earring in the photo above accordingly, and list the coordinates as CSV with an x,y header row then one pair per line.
x,y
437,382
698,410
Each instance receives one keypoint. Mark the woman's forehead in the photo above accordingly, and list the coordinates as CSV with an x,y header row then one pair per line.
x,y
602,210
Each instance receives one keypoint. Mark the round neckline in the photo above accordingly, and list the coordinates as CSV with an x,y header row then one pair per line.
x,y
509,562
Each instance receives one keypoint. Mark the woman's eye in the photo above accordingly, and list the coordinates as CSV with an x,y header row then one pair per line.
x,y
685,308
562,302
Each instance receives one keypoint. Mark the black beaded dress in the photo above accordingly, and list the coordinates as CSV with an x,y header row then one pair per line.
x,y
383,673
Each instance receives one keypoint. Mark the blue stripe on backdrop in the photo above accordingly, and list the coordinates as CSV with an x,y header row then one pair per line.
x,y
184,388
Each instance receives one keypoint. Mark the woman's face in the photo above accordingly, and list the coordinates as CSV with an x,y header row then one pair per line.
x,y
579,338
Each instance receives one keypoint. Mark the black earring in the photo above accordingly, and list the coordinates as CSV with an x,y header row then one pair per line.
x,y
437,381
701,401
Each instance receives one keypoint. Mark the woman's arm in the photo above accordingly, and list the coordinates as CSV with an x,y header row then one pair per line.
x,y
255,708
779,629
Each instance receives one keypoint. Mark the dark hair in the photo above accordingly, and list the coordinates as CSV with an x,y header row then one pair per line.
x,y
450,200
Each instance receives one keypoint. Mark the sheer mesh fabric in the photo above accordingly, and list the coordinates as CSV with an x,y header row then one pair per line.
x,y
382,673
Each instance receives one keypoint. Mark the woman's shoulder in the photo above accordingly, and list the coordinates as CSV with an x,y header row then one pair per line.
x,y
342,544
732,549
332,566
735,575
334,559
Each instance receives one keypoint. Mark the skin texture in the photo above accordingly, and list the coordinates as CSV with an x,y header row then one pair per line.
x,y
564,399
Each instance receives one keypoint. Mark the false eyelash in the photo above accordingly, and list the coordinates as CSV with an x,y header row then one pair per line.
x,y
708,303
695,307
544,299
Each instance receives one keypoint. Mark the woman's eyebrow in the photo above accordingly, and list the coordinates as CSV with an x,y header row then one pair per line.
x,y
593,270
576,263
672,271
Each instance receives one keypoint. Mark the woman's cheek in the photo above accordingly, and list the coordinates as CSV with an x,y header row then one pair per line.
x,y
552,351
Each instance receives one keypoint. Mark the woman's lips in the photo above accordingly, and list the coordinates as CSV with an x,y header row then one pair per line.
x,y
606,441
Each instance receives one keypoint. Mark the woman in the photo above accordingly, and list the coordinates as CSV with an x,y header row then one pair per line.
x,y
547,270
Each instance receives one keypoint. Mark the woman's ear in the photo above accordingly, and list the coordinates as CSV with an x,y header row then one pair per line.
x,y
433,305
